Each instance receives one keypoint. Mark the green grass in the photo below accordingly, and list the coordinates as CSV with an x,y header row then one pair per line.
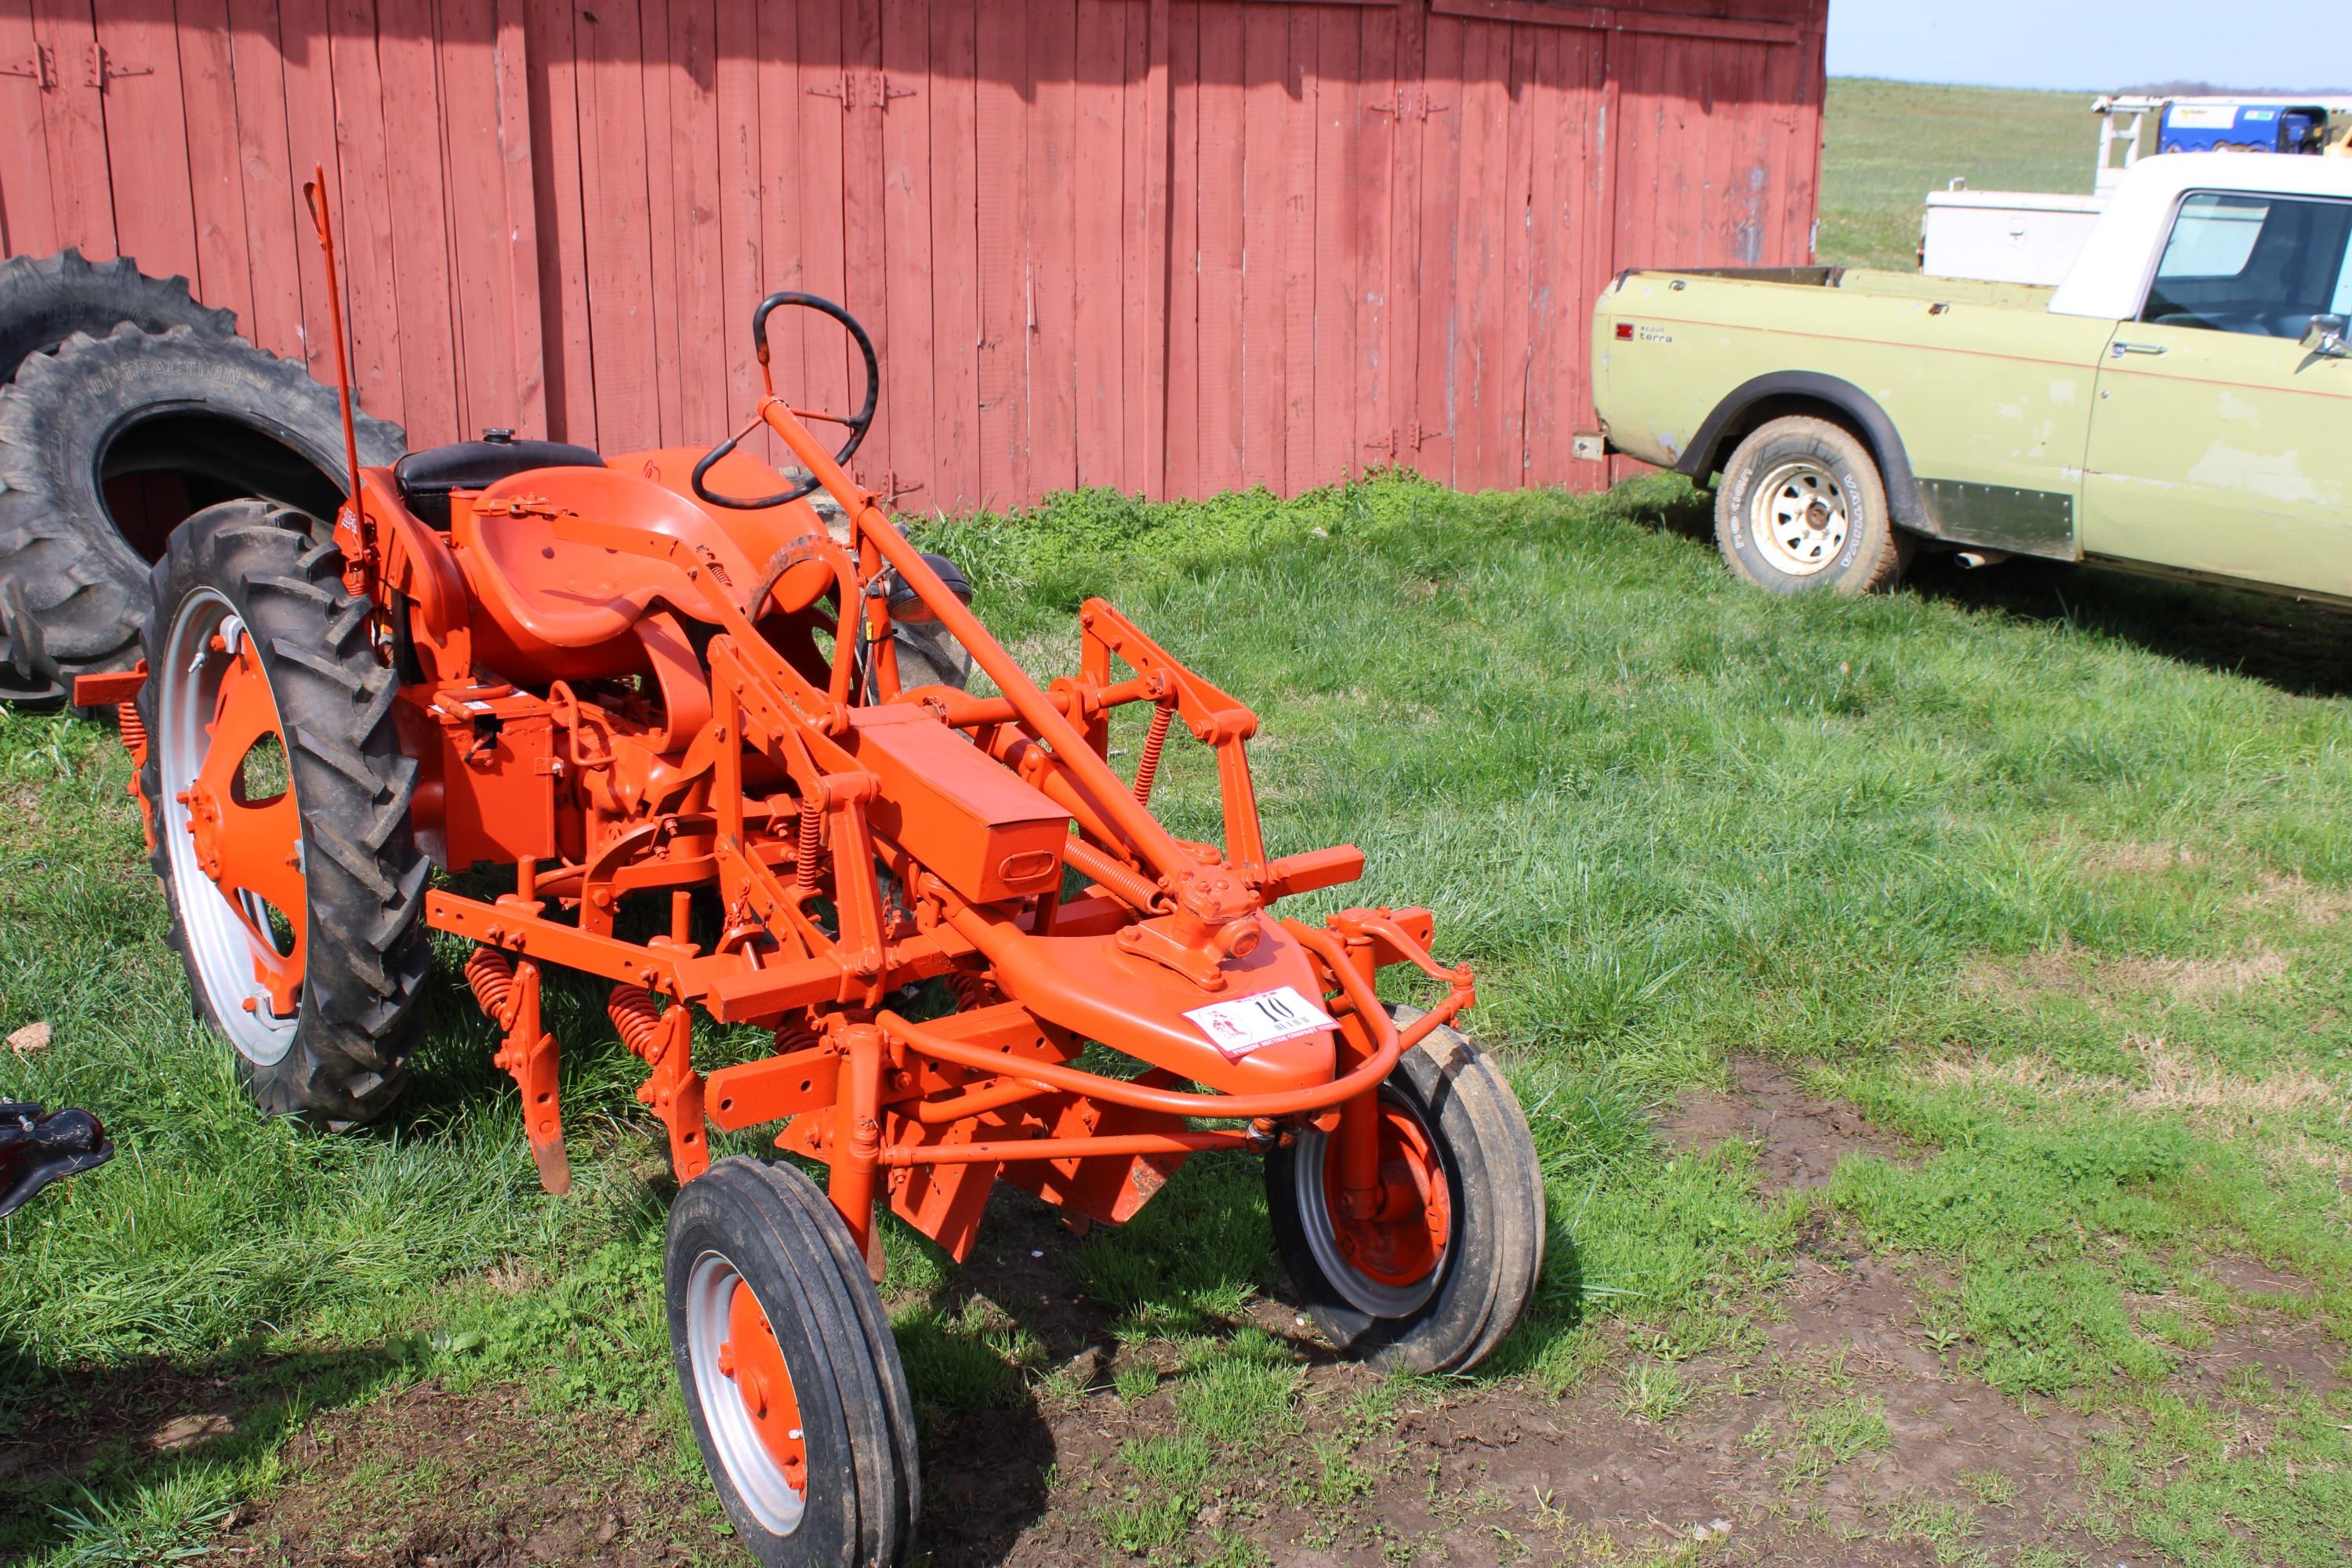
x,y
1885,144
1969,849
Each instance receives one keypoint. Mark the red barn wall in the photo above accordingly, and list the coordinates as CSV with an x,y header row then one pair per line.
x,y
1167,246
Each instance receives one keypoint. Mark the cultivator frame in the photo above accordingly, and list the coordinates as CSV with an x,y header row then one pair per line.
x,y
765,780
678,714
815,944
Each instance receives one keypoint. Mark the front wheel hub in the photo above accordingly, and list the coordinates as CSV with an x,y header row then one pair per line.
x,y
1384,1248
746,1390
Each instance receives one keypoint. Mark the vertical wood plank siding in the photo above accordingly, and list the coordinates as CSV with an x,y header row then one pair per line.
x,y
1173,246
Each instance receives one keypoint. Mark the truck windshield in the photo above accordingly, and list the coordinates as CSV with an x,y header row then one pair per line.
x,y
2257,265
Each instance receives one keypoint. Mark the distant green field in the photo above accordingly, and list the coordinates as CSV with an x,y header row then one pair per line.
x,y
1890,142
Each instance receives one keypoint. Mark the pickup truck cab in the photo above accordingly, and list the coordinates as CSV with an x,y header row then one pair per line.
x,y
2181,404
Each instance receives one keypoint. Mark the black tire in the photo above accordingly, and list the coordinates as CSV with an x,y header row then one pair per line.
x,y
1494,1253
928,656
366,958
45,300
214,414
1808,468
746,1223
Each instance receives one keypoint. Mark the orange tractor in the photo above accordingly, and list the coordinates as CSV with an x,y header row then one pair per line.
x,y
657,689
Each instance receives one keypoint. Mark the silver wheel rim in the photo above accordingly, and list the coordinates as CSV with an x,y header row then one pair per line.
x,y
1369,1296
220,944
758,1480
1797,519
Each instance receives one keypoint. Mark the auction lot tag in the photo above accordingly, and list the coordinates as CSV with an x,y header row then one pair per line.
x,y
1242,1025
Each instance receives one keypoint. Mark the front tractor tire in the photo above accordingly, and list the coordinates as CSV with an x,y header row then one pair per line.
x,y
793,1383
278,797
1803,509
1437,1276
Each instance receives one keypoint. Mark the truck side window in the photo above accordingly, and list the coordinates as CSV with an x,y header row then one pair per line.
x,y
2261,265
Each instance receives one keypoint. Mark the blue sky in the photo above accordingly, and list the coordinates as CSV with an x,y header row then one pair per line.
x,y
2097,45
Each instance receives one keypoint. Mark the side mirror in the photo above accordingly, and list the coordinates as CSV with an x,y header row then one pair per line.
x,y
2324,337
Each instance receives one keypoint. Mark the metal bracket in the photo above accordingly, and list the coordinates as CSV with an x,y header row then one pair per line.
x,y
39,68
102,69
1408,105
865,89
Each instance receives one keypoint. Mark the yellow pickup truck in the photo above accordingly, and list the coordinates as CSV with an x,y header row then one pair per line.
x,y
2180,405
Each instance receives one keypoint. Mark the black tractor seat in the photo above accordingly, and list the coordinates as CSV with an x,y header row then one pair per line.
x,y
425,479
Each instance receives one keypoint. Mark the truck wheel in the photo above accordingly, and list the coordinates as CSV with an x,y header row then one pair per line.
x,y
1439,1275
279,797
1802,510
791,1380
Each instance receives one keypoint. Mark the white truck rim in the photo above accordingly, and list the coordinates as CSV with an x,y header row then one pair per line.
x,y
1797,519
220,942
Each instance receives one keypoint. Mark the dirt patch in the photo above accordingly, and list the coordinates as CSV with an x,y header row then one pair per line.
x,y
429,1478
2275,1352
2248,1277
1798,1136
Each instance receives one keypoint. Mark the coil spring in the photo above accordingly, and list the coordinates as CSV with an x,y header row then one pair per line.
x,y
631,1011
812,831
491,974
972,992
1147,768
132,728
797,1033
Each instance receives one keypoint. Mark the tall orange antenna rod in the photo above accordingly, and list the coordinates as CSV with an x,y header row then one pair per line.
x,y
314,191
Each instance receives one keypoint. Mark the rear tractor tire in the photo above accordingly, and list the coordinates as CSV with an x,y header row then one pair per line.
x,y
1802,510
793,1383
279,800
106,444
1437,1278
45,300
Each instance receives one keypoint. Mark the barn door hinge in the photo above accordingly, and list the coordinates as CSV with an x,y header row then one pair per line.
x,y
1390,445
40,67
1408,105
102,69
868,90
893,486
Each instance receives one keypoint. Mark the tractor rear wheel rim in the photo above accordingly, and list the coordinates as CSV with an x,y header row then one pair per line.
x,y
1388,1264
235,856
1799,517
746,1392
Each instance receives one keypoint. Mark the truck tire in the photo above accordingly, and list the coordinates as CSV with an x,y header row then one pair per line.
x,y
213,416
45,300
1802,510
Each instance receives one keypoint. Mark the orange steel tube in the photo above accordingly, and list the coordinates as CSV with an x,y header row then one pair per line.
x,y
1170,1102
965,712
1062,1148
955,1108
1113,795
858,1132
1393,1044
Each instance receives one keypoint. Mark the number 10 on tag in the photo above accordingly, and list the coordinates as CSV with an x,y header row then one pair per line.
x,y
1251,1023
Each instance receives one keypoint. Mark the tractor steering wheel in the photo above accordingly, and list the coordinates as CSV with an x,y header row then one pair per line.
x,y
857,423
